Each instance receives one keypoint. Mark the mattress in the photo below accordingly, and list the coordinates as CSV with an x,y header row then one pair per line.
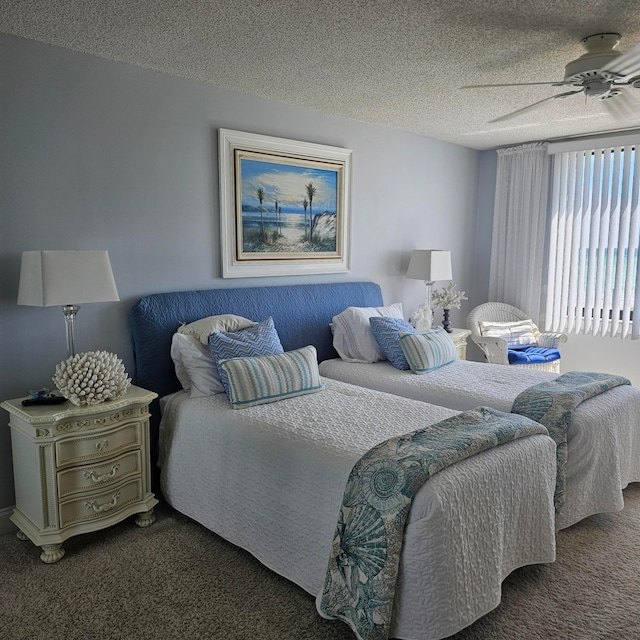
x,y
603,440
270,479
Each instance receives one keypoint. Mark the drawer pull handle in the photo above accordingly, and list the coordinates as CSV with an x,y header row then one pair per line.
x,y
101,508
105,476
101,446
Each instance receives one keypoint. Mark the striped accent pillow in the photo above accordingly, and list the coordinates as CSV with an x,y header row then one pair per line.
x,y
266,379
517,334
427,351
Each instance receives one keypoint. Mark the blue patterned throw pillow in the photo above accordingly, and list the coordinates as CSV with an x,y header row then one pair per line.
x,y
260,340
266,379
386,331
427,351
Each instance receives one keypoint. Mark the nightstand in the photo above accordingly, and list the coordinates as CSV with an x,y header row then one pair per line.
x,y
80,469
459,337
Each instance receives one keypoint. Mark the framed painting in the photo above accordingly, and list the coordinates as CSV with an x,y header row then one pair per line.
x,y
284,206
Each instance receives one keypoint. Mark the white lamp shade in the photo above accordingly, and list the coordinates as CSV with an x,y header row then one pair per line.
x,y
49,278
430,265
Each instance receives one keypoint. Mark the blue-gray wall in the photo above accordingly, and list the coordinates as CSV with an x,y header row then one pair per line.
x,y
102,155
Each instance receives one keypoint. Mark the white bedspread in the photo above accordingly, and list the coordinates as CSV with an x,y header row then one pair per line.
x,y
270,479
603,441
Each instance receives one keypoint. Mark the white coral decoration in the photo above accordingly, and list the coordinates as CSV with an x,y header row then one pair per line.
x,y
448,298
92,377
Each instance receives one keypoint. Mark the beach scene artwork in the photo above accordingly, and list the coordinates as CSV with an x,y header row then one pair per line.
x,y
286,208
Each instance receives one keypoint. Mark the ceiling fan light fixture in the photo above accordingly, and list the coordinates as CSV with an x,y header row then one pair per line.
x,y
598,88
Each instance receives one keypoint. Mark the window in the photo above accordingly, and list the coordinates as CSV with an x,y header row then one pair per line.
x,y
593,243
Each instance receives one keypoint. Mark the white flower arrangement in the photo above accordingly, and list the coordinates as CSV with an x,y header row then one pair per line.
x,y
448,298
91,378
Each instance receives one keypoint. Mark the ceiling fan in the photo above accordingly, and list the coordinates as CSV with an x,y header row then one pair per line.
x,y
602,73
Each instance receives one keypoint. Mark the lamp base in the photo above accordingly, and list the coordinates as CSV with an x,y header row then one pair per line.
x,y
446,324
70,311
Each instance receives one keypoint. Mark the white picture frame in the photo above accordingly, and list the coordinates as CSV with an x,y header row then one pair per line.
x,y
284,206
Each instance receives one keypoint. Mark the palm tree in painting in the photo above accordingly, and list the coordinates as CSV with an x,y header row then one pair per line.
x,y
305,204
311,191
260,194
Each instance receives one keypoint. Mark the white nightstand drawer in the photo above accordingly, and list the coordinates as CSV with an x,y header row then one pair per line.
x,y
102,504
85,448
99,475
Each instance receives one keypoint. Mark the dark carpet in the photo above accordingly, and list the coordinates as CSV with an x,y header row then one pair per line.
x,y
176,580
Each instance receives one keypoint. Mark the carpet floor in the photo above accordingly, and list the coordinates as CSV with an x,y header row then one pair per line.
x,y
176,580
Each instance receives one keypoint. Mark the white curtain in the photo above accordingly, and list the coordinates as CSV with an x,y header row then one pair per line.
x,y
519,225
594,237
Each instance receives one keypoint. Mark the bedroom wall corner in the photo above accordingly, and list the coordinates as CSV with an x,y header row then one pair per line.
x,y
483,223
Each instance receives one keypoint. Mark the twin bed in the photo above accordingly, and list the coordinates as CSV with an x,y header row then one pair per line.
x,y
270,478
603,452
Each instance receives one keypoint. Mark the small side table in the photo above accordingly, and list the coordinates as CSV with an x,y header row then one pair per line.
x,y
459,337
80,469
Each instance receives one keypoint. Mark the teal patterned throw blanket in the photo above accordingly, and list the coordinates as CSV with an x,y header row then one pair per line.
x,y
363,566
552,404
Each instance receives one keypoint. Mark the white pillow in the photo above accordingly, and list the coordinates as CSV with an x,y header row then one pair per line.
x,y
176,356
517,334
203,328
195,367
352,336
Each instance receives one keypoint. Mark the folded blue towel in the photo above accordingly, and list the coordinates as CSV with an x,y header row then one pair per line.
x,y
532,355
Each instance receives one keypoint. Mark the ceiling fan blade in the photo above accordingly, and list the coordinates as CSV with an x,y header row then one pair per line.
x,y
625,65
621,106
534,106
517,84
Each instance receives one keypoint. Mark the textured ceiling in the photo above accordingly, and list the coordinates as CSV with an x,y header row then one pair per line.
x,y
398,63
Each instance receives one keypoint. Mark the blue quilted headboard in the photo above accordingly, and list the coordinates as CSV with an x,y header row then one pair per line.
x,y
301,314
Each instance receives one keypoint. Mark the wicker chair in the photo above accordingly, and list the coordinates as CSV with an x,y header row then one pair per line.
x,y
495,349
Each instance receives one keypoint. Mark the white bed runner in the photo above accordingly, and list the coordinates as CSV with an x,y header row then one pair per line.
x,y
270,479
603,441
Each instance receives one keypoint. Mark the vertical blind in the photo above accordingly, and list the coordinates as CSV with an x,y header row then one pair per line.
x,y
593,245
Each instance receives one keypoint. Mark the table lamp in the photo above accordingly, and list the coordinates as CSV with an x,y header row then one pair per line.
x,y
68,279
428,265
